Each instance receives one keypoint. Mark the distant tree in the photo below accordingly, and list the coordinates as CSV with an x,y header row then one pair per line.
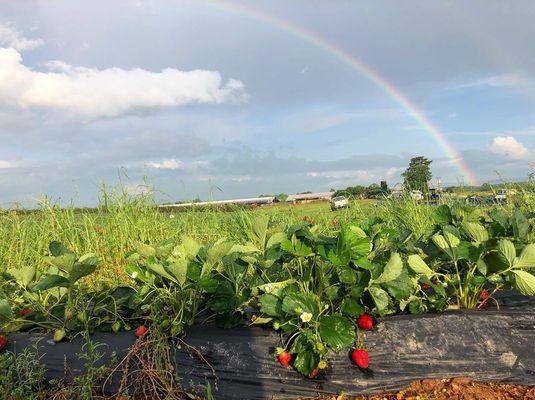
x,y
282,196
418,174
355,192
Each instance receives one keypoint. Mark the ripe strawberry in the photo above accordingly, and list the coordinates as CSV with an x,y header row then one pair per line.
x,y
365,322
25,312
141,331
284,358
425,286
484,295
314,373
360,357
3,343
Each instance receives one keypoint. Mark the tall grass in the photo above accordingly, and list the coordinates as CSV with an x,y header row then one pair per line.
x,y
120,219
110,229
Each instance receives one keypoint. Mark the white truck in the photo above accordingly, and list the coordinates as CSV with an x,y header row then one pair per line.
x,y
339,202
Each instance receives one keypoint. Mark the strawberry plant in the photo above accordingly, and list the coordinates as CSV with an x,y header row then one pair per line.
x,y
57,300
469,254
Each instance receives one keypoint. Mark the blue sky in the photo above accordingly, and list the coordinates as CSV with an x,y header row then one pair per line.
x,y
213,96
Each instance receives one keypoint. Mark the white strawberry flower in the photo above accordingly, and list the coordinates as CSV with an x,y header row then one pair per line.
x,y
306,317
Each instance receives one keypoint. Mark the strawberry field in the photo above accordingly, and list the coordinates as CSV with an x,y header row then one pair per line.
x,y
324,295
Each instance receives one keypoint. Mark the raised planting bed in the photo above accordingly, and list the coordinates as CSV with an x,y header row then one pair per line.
x,y
240,363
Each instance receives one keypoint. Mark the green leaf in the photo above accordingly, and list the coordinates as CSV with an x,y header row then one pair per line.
x,y
392,269
276,238
144,250
400,288
218,250
482,266
440,241
442,215
524,282
352,242
363,280
507,251
500,217
179,270
57,249
520,224
161,271
6,313
297,303
64,262
297,248
380,298
419,266
337,331
208,284
351,307
259,228
306,361
51,281
244,248
475,231
164,248
270,305
79,270
347,275
275,288
527,257
452,239
190,246
23,275
332,293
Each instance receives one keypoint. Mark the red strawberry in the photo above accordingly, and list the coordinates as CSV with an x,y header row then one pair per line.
x,y
141,331
425,286
484,295
365,322
3,343
360,357
284,358
25,312
314,373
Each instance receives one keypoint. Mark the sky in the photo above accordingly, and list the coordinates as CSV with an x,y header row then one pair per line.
x,y
224,99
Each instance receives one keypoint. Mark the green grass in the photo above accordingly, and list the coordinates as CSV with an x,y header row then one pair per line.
x,y
112,228
120,219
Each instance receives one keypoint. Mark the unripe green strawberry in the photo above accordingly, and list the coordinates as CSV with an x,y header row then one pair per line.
x,y
59,335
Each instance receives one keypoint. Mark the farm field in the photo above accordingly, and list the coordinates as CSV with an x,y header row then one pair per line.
x,y
267,200
110,230
321,278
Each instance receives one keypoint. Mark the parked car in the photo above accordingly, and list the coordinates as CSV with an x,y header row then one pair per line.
x,y
339,202
501,197
417,195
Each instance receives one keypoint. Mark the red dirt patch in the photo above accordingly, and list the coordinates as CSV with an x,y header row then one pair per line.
x,y
452,389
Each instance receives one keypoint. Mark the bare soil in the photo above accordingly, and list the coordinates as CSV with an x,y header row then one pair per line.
x,y
452,389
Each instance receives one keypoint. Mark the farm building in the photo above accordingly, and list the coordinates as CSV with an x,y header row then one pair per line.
x,y
308,197
249,202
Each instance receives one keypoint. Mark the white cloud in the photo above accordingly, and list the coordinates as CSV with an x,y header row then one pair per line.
x,y
241,178
9,37
107,93
6,164
509,146
167,164
175,164
516,81
357,174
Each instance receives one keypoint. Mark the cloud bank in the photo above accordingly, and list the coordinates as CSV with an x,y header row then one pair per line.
x,y
9,37
108,93
510,147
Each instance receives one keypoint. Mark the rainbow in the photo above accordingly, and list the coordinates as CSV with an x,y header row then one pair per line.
x,y
364,70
